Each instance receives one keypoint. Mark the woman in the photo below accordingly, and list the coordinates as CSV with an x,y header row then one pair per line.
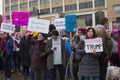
x,y
39,58
114,52
89,65
25,56
8,57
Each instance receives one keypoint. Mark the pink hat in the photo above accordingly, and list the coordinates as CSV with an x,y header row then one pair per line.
x,y
83,30
115,31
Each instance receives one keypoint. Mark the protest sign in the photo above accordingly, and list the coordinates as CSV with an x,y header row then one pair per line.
x,y
70,23
7,28
59,23
81,23
38,25
93,44
20,18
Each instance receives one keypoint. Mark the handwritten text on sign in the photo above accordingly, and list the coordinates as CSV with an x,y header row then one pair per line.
x,y
20,18
7,28
93,44
38,25
60,23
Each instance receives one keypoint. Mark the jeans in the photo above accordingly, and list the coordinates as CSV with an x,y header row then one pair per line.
x,y
103,67
1,64
7,66
88,78
40,74
32,74
61,70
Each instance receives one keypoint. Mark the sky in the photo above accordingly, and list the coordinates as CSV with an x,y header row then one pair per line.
x,y
0,6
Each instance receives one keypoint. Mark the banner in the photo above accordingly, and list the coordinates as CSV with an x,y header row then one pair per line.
x,y
7,28
81,23
70,23
59,23
20,18
4,18
93,44
38,25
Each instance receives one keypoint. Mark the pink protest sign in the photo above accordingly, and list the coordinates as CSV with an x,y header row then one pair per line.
x,y
20,18
4,18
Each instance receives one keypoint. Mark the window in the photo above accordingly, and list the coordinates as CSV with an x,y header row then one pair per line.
x,y
117,7
14,8
99,3
45,11
7,9
33,13
57,9
33,3
55,0
14,0
8,17
23,5
85,5
71,7
98,16
87,18
44,1
6,1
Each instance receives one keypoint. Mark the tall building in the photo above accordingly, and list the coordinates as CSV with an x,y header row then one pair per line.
x,y
89,10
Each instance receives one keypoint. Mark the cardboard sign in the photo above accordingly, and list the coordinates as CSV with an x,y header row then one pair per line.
x,y
59,23
93,44
20,18
7,28
70,23
81,23
38,25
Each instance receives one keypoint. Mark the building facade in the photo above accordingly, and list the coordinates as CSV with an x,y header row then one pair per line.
x,y
89,10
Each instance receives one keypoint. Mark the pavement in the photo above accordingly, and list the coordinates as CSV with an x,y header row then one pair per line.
x,y
15,76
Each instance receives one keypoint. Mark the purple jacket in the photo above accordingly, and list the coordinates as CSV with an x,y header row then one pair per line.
x,y
39,59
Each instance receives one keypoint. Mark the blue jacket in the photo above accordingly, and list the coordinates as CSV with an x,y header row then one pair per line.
x,y
9,46
68,47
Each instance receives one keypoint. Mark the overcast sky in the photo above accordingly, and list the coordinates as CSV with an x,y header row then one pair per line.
x,y
0,6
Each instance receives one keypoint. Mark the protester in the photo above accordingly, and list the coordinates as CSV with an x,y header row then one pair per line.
x,y
25,56
39,59
1,55
9,52
114,52
107,46
17,42
56,60
89,65
75,43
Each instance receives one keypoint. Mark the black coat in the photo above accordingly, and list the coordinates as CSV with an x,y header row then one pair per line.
x,y
24,51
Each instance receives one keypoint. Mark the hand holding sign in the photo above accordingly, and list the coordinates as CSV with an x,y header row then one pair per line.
x,y
94,52
93,44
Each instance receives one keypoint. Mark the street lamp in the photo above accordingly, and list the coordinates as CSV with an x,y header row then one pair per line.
x,y
35,9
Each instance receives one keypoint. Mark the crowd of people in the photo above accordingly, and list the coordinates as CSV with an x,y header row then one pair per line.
x,y
48,57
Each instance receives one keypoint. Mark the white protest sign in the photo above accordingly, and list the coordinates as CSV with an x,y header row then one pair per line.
x,y
38,25
59,23
93,44
7,28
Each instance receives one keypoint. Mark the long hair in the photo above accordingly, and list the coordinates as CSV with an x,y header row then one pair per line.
x,y
94,33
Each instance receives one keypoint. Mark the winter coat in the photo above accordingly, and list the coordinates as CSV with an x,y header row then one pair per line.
x,y
89,65
107,42
49,52
24,52
39,59
9,46
115,46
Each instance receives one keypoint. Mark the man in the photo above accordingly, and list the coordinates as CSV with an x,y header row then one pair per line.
x,y
56,60
107,46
